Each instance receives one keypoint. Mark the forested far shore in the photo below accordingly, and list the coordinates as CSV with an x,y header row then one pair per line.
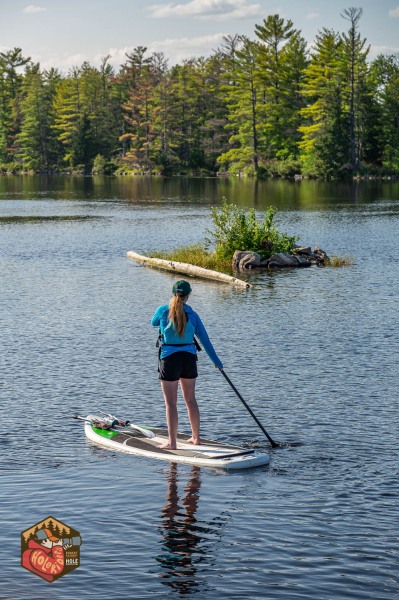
x,y
267,106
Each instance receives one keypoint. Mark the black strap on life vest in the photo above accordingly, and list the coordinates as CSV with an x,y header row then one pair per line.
x,y
161,343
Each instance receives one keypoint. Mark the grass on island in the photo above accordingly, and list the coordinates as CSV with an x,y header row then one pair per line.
x,y
197,255
339,261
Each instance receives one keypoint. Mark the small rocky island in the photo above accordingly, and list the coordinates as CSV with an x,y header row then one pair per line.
x,y
236,228
300,256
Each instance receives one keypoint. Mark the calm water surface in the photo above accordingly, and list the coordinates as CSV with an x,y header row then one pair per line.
x,y
314,352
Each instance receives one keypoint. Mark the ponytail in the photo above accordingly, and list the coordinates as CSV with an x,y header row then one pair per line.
x,y
177,316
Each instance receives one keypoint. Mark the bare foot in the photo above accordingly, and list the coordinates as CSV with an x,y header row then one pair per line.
x,y
167,446
195,441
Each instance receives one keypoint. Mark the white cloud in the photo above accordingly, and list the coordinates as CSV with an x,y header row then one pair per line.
x,y
394,12
312,15
74,60
179,49
217,10
175,49
62,62
32,8
117,55
377,50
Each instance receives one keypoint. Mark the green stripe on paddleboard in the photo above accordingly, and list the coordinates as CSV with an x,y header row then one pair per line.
x,y
106,433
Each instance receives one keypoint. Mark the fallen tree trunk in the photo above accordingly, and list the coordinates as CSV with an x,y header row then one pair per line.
x,y
186,269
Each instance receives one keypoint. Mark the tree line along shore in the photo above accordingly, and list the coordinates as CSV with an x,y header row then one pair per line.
x,y
268,106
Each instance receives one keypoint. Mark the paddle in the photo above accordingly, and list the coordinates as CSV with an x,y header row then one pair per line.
x,y
115,424
127,423
273,443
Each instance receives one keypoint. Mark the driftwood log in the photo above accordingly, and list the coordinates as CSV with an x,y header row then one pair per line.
x,y
187,269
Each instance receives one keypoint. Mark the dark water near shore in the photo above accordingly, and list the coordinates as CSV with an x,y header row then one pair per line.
x,y
313,351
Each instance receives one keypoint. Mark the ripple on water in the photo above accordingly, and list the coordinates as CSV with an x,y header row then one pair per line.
x,y
312,351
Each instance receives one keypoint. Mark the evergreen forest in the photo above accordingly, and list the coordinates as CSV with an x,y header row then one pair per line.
x,y
267,106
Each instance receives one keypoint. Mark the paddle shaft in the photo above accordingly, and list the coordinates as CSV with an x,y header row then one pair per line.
x,y
273,443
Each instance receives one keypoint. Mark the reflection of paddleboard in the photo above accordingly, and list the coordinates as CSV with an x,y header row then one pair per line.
x,y
209,453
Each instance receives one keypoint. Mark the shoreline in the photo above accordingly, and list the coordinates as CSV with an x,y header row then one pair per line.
x,y
294,179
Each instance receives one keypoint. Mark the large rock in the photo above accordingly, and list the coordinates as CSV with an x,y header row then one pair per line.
x,y
285,260
243,260
301,256
321,256
317,257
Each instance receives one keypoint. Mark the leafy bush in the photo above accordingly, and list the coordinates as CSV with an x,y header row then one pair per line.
x,y
11,167
236,229
237,161
288,167
103,166
99,164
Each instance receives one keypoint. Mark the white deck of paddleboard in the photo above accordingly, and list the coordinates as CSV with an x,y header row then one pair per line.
x,y
202,455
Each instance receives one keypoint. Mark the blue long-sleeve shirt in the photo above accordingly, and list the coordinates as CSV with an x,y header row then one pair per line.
x,y
194,326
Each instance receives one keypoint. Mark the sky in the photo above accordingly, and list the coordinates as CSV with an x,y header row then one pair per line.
x,y
64,33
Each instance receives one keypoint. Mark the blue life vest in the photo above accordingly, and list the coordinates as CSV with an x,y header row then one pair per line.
x,y
170,337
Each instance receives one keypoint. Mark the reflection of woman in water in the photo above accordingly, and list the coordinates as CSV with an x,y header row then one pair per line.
x,y
180,533
187,542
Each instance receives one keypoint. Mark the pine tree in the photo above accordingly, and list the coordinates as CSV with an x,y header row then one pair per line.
x,y
138,110
215,137
36,143
281,62
10,101
71,122
99,107
85,115
200,110
384,74
164,143
243,110
354,66
188,88
324,144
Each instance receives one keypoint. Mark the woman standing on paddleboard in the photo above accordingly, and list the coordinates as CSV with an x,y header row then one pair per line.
x,y
178,324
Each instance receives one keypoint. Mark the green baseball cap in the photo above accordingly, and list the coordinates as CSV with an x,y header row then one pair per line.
x,y
181,288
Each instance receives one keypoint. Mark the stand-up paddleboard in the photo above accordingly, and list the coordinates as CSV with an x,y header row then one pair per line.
x,y
145,441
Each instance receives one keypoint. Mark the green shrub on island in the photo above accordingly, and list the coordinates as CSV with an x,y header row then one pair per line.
x,y
234,229
237,229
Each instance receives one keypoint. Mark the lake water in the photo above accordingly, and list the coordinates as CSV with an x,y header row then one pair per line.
x,y
313,351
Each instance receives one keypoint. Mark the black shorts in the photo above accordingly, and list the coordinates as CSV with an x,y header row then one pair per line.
x,y
178,365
